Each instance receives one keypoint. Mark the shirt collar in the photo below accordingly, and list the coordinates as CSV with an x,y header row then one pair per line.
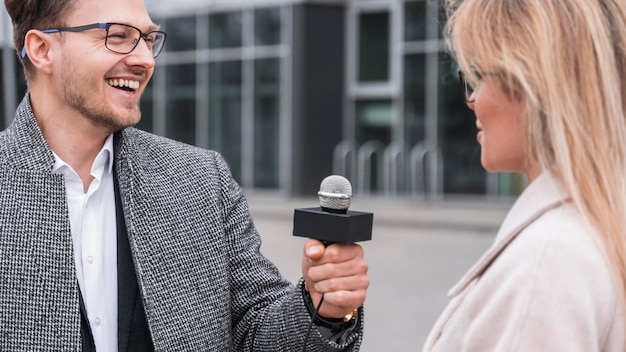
x,y
108,148
104,157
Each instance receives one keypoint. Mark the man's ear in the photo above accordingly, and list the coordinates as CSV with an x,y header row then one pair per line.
x,y
37,46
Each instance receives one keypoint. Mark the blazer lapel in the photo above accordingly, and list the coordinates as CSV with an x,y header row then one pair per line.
x,y
133,329
126,279
37,272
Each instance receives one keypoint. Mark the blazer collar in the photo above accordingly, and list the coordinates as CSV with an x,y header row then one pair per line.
x,y
542,195
31,151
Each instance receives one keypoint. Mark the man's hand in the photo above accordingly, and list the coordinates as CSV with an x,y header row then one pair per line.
x,y
338,271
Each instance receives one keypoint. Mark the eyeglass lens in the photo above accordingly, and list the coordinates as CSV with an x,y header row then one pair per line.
x,y
123,39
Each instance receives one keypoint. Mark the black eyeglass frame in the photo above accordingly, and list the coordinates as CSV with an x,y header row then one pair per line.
x,y
466,89
106,26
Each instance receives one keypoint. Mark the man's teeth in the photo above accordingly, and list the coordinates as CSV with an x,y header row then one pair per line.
x,y
123,83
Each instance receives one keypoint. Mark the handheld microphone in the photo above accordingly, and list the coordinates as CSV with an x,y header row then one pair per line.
x,y
332,221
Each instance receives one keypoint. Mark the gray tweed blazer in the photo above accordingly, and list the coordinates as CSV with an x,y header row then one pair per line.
x,y
204,283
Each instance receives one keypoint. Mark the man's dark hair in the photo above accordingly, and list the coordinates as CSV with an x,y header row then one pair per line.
x,y
34,14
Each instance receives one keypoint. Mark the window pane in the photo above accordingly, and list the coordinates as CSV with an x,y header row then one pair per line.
x,y
415,21
22,85
461,152
20,80
147,102
181,33
266,123
373,121
180,123
225,30
267,26
414,99
225,100
374,47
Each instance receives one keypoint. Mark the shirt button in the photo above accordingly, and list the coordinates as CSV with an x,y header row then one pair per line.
x,y
90,259
97,321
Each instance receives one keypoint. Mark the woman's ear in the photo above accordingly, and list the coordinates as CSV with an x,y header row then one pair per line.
x,y
37,47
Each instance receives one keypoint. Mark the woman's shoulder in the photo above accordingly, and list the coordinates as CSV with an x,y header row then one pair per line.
x,y
559,259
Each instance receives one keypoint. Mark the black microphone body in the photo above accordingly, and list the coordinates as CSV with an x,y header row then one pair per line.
x,y
332,221
349,227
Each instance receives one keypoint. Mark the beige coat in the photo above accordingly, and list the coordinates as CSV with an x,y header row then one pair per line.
x,y
544,285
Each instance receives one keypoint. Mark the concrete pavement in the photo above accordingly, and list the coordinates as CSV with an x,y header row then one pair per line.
x,y
417,253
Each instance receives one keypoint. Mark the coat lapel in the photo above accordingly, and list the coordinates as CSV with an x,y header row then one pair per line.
x,y
126,279
37,274
540,197
133,332
134,203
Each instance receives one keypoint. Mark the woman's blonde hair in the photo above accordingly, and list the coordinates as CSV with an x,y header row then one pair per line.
x,y
566,61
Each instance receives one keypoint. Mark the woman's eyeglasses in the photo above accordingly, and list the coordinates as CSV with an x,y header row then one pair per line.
x,y
466,89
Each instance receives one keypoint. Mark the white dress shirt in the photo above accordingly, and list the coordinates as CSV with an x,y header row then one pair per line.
x,y
94,235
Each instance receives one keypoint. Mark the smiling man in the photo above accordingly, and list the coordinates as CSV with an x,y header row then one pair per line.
x,y
114,239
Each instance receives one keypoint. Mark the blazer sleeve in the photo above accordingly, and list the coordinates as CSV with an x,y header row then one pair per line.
x,y
268,312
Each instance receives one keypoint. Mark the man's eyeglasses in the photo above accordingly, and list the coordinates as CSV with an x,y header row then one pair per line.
x,y
466,88
120,38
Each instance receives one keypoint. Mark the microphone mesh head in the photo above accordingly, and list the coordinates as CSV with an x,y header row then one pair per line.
x,y
335,193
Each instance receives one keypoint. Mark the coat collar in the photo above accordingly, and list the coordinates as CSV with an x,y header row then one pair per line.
x,y
542,195
32,152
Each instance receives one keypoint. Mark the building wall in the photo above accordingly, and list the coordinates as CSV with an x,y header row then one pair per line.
x,y
223,83
290,91
317,95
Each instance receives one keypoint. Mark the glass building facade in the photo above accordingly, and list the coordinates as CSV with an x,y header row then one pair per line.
x,y
291,91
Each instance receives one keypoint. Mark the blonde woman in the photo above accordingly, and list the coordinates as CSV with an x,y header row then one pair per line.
x,y
547,82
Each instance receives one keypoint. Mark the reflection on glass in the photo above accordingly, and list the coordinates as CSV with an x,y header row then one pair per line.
x,y
415,21
267,26
266,123
181,33
225,30
373,118
225,100
414,99
374,47
457,125
180,117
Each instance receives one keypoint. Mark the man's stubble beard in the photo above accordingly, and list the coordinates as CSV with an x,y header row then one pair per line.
x,y
93,109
